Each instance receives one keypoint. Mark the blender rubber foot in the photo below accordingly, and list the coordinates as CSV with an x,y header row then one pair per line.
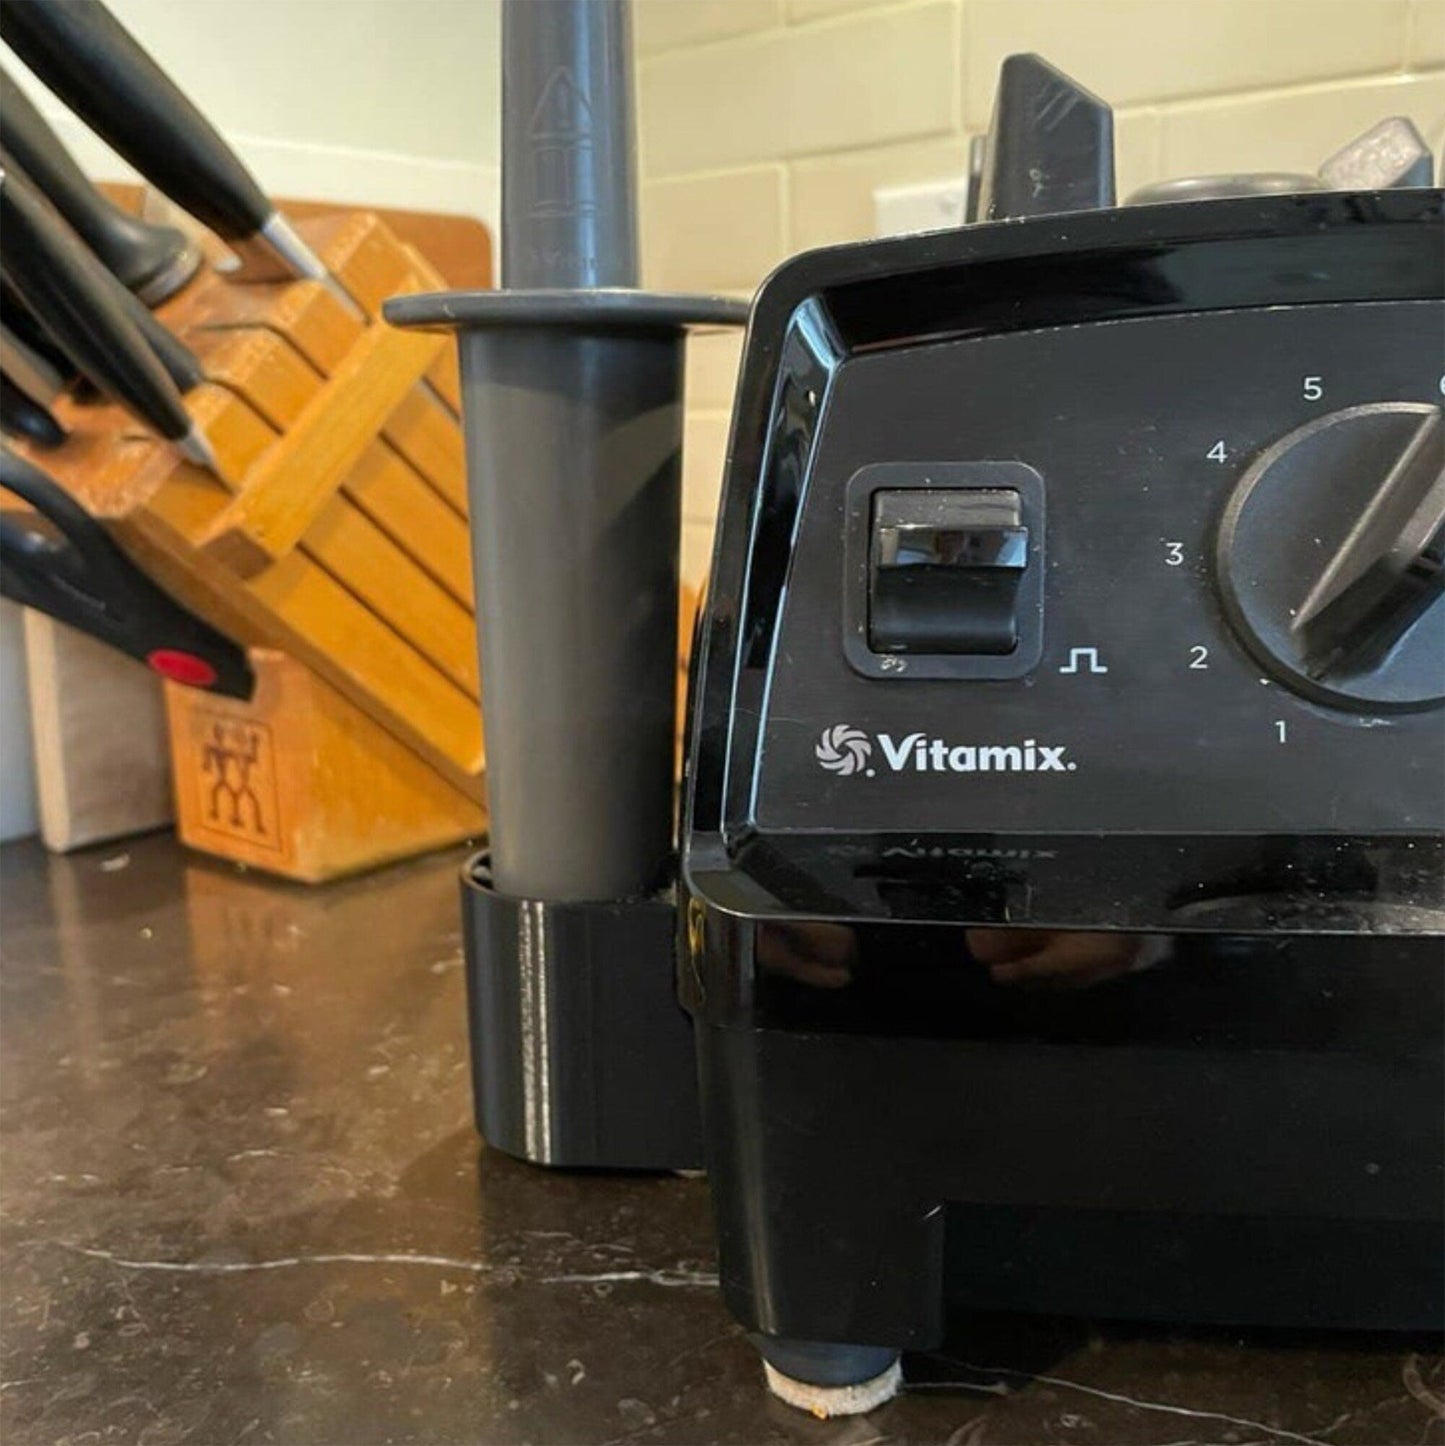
x,y
826,1379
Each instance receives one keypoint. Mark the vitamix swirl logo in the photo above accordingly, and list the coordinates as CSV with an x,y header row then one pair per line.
x,y
846,750
842,749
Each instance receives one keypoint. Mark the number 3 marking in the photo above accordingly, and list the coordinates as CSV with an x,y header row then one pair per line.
x,y
1173,554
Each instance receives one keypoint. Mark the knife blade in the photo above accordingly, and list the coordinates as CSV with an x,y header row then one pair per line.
x,y
69,567
22,416
71,293
152,261
94,64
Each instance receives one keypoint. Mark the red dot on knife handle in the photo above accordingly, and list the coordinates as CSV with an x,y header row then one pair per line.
x,y
182,667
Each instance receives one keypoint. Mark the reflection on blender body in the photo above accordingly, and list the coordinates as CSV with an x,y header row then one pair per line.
x,y
825,956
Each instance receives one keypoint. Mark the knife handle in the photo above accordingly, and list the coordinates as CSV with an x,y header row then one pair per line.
x,y
175,356
89,59
19,319
152,261
181,363
70,292
78,575
22,416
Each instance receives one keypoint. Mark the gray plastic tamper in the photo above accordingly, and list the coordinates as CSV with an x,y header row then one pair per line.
x,y
572,395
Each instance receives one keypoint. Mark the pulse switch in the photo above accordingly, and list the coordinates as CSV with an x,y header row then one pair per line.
x,y
945,568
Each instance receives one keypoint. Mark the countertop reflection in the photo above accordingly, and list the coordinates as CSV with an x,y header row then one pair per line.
x,y
243,1202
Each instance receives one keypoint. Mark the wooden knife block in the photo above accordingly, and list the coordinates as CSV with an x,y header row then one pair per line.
x,y
298,782
336,549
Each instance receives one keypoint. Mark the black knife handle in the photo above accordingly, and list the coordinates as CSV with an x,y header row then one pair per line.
x,y
22,416
93,63
70,292
175,356
180,362
21,320
82,578
152,261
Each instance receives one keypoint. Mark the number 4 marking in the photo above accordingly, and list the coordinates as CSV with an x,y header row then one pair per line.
x,y
1217,453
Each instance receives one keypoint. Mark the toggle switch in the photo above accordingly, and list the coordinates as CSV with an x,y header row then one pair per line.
x,y
945,570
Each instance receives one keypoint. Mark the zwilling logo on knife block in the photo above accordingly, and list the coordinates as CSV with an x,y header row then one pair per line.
x,y
233,779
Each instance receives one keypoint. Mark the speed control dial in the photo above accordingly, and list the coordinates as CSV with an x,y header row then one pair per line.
x,y
1330,558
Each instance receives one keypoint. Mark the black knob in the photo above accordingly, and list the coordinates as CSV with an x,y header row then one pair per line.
x,y
1330,558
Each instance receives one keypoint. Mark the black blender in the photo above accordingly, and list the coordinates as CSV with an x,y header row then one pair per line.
x,y
1059,909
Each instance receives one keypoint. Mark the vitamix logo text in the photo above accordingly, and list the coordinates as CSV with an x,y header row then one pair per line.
x,y
847,750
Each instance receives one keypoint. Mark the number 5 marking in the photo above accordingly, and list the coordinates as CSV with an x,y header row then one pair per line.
x,y
1314,388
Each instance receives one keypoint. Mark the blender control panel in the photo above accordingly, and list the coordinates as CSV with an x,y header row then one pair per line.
x,y
1168,574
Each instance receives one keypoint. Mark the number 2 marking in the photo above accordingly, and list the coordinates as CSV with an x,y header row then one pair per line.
x,y
1282,730
1217,453
1173,554
1199,656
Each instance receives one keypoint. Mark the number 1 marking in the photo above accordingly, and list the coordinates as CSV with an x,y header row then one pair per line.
x,y
1279,724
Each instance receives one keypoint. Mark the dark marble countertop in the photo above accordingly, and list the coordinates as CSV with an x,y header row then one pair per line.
x,y
243,1202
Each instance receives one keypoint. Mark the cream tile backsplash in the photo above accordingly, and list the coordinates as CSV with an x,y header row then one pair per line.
x,y
1129,51
767,124
796,90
